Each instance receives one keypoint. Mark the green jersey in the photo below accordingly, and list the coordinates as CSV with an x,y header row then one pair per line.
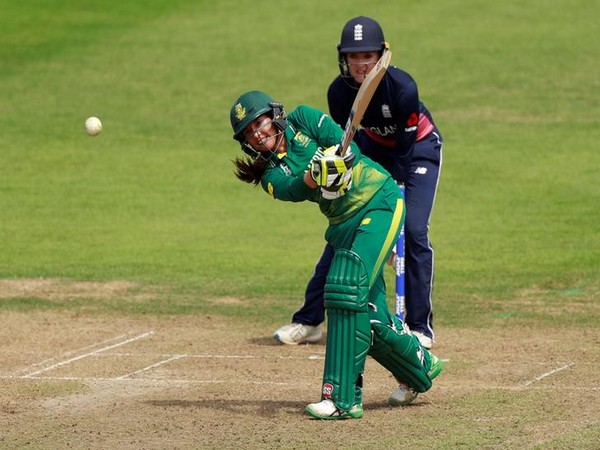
x,y
310,131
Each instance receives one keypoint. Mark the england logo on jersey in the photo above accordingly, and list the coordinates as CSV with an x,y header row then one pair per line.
x,y
385,110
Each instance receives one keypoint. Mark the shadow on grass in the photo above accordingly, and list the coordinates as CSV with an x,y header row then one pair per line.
x,y
262,407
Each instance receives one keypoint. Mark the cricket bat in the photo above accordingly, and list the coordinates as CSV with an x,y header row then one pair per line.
x,y
363,98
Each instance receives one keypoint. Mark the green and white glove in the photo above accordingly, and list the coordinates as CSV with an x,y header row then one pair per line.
x,y
332,172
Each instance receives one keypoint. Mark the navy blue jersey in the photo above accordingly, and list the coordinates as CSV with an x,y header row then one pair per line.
x,y
394,120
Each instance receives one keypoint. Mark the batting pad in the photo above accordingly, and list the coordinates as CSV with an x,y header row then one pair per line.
x,y
401,354
348,329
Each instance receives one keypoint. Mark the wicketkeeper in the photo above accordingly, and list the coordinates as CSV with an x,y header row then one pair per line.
x,y
399,133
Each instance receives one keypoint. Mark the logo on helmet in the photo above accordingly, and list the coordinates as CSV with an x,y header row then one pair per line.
x,y
240,111
358,32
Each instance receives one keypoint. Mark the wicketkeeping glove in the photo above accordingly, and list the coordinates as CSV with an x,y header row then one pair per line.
x,y
332,172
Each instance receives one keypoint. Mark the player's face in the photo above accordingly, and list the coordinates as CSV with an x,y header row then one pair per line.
x,y
262,134
360,64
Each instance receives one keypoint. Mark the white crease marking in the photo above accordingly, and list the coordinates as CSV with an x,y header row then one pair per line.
x,y
77,358
547,374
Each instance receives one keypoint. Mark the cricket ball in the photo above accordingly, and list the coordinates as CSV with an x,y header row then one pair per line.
x,y
93,126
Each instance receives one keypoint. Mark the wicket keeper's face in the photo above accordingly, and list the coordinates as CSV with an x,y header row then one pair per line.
x,y
360,64
262,135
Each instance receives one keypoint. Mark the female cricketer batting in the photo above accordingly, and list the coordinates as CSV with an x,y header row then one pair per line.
x,y
294,158
399,133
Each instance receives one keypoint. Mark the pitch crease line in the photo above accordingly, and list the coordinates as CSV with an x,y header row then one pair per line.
x,y
68,361
71,352
152,366
547,374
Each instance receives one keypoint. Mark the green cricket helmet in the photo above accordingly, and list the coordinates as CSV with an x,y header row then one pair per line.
x,y
360,34
247,108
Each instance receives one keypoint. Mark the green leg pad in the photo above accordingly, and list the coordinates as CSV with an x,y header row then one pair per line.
x,y
348,329
346,353
401,354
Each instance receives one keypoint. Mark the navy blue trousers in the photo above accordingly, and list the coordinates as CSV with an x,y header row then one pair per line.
x,y
420,190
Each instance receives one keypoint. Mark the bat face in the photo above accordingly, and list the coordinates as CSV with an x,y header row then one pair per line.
x,y
363,97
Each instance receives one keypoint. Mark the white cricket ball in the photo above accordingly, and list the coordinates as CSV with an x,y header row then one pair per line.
x,y
93,126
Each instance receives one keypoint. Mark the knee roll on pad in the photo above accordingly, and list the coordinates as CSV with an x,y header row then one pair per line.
x,y
348,328
347,285
400,354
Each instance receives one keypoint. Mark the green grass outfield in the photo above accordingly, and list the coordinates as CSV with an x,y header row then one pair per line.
x,y
513,87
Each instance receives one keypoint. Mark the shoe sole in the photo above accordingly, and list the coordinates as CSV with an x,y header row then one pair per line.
x,y
311,340
392,401
357,414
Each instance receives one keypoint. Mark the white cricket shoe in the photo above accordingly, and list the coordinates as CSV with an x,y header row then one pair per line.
x,y
425,341
402,396
326,409
297,333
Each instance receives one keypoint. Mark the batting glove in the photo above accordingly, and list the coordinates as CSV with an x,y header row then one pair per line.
x,y
332,171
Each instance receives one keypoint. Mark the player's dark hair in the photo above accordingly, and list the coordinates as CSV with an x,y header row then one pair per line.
x,y
250,170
